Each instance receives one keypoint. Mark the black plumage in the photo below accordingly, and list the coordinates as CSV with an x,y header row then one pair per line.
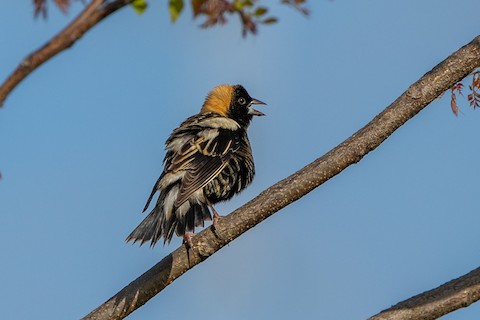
x,y
208,159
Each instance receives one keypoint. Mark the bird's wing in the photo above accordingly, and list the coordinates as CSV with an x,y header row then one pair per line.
x,y
202,159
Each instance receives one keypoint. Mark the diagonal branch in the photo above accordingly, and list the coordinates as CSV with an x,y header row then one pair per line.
x,y
278,196
433,304
89,17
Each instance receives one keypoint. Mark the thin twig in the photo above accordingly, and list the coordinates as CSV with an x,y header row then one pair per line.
x,y
352,150
89,17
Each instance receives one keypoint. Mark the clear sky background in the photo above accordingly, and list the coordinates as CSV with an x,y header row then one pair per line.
x,y
81,145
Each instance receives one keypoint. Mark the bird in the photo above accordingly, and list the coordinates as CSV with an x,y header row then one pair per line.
x,y
208,160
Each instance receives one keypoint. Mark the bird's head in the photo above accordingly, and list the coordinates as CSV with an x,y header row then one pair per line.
x,y
233,102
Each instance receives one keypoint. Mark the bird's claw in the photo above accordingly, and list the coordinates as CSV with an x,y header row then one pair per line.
x,y
187,240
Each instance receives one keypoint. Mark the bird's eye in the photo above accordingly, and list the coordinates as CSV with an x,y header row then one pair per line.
x,y
242,101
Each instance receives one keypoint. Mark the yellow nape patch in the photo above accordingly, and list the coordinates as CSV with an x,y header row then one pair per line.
x,y
218,100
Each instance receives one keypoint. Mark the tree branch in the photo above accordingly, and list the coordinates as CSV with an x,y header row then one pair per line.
x,y
352,150
89,17
433,304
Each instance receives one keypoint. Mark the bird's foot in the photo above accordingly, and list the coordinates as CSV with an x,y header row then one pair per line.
x,y
187,240
216,218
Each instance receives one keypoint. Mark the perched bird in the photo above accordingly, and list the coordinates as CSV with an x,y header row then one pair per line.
x,y
208,159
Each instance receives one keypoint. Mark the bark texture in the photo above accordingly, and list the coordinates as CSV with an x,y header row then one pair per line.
x,y
433,304
352,150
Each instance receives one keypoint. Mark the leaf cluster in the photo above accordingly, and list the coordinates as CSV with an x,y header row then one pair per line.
x,y
40,6
474,88
214,12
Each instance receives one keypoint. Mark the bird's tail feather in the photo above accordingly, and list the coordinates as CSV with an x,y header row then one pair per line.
x,y
150,229
163,221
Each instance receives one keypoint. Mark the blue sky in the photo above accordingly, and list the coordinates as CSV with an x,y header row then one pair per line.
x,y
82,143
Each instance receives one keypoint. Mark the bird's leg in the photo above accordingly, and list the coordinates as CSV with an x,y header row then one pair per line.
x,y
215,219
216,216
187,240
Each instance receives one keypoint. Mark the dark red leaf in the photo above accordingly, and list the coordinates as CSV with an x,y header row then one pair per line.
x,y
453,104
40,7
197,7
458,87
63,5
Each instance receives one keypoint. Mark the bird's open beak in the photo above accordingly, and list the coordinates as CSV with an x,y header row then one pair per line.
x,y
255,112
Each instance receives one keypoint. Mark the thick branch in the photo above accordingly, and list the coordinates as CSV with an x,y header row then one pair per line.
x,y
433,304
89,17
352,150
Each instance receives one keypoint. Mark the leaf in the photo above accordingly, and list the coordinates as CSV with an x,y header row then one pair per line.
x,y
458,87
175,7
453,104
476,82
260,11
270,20
238,5
63,5
140,6
197,7
248,3
40,8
